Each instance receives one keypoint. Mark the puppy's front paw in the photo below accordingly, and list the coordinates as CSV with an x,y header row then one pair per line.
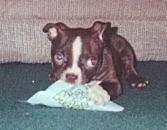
x,y
98,95
137,81
51,77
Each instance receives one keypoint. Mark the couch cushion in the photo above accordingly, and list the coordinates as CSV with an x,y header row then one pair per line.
x,y
143,23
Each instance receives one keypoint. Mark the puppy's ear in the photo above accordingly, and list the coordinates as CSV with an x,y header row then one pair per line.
x,y
99,28
114,30
53,29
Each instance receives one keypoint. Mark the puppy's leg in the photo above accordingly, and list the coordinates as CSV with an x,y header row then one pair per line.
x,y
128,61
114,89
108,75
52,76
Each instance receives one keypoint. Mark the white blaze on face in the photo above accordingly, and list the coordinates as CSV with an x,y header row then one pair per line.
x,y
75,69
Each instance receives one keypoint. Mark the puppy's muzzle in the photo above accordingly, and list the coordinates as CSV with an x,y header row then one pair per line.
x,y
71,77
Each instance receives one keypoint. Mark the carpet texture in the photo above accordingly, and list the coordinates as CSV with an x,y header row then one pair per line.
x,y
144,109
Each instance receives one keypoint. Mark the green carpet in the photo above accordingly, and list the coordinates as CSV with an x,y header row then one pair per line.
x,y
144,109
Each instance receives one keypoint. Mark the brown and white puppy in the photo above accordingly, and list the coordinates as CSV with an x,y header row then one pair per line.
x,y
98,53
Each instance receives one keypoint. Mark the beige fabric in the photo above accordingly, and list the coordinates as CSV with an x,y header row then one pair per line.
x,y
143,23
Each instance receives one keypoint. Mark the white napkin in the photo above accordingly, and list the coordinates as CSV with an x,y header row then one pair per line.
x,y
63,94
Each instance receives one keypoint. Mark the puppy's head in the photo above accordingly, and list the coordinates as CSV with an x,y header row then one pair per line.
x,y
76,53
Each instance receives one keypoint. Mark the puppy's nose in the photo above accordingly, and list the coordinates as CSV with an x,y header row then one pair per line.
x,y
71,77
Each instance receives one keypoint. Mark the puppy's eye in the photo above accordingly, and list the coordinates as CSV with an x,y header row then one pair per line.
x,y
59,58
92,62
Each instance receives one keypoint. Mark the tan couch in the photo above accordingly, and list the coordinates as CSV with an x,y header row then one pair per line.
x,y
142,22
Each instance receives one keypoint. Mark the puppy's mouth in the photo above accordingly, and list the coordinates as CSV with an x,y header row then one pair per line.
x,y
72,78
74,82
